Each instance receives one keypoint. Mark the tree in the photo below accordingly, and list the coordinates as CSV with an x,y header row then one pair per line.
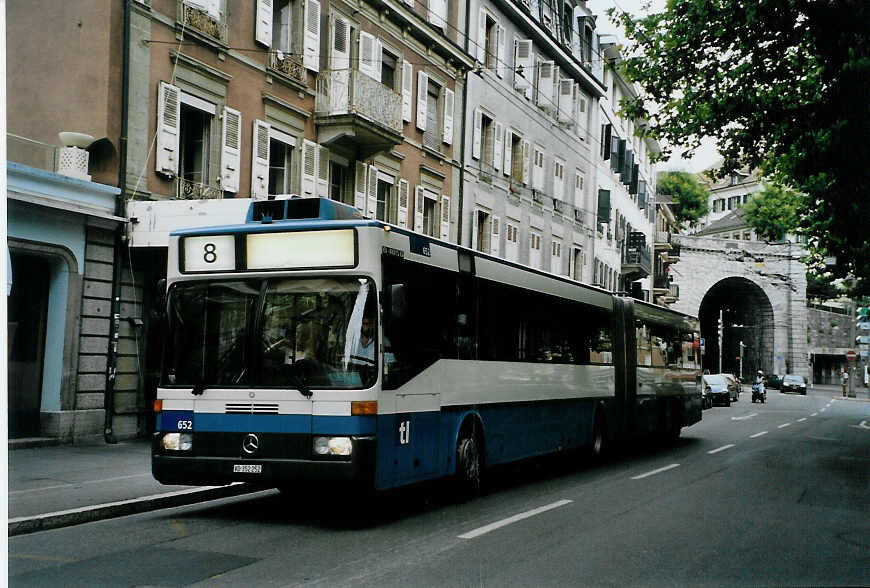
x,y
773,212
689,195
778,84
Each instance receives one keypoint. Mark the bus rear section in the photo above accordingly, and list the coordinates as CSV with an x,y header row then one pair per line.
x,y
268,380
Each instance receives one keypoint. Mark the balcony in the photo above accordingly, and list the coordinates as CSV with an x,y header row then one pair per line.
x,y
202,22
673,294
673,256
187,190
287,65
661,285
636,262
357,112
662,240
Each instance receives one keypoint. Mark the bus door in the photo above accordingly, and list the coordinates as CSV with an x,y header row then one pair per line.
x,y
625,358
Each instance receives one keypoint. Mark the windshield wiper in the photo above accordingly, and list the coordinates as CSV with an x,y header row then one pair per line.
x,y
299,381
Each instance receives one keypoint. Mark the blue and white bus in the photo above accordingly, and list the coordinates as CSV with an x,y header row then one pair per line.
x,y
311,345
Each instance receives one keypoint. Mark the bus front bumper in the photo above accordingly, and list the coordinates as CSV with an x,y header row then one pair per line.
x,y
178,468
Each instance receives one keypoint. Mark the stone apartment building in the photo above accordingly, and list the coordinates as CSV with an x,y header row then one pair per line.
x,y
479,123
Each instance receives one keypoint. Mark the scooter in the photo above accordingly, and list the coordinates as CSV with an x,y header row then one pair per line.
x,y
758,393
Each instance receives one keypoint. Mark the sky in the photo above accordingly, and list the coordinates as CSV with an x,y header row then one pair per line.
x,y
706,155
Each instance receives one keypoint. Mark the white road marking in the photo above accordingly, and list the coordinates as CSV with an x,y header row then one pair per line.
x,y
758,435
517,517
723,448
802,419
863,425
79,484
658,471
743,418
814,414
823,409
784,425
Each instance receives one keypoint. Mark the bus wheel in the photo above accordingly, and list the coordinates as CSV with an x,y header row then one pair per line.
x,y
468,466
599,439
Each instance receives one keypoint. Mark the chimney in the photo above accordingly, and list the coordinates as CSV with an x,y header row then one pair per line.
x,y
73,157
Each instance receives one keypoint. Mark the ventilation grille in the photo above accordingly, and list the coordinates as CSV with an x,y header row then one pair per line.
x,y
251,408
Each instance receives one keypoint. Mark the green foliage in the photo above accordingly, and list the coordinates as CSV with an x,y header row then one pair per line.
x,y
773,212
778,84
821,288
689,195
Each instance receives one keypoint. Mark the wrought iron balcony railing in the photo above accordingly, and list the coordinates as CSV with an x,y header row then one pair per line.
x,y
202,22
288,65
637,260
187,190
345,91
661,283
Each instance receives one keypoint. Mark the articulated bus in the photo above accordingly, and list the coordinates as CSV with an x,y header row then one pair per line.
x,y
309,345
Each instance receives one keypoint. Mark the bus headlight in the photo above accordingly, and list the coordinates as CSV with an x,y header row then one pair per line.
x,y
333,446
177,441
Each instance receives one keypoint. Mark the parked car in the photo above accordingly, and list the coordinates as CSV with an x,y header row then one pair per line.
x,y
716,387
773,381
794,383
733,386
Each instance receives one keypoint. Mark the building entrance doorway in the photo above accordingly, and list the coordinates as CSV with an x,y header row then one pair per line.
x,y
27,312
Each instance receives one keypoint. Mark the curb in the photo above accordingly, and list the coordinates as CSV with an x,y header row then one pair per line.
x,y
99,512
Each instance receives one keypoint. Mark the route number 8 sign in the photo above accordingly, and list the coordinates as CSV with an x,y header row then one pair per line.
x,y
212,253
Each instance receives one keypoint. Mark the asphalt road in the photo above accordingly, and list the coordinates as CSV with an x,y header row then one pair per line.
x,y
773,494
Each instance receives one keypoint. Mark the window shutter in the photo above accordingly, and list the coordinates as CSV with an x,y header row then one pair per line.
x,y
559,180
494,234
260,161
341,45
309,167
538,172
498,150
322,171
578,189
508,145
231,149
522,63
475,221
500,66
475,138
311,49
168,118
527,147
372,192
407,91
418,209
367,55
445,217
545,84
447,134
438,12
403,203
481,36
566,101
422,93
263,33
359,187
577,33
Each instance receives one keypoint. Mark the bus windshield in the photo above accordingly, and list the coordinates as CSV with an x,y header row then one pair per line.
x,y
287,332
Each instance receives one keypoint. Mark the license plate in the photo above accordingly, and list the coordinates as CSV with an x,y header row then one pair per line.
x,y
247,468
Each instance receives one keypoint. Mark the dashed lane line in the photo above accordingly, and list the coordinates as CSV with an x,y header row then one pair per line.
x,y
723,448
658,471
758,434
802,419
784,425
815,414
517,517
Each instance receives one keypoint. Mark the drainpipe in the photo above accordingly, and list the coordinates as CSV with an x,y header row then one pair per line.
x,y
462,145
120,239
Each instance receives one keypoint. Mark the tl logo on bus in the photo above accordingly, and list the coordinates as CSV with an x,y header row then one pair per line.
x,y
404,432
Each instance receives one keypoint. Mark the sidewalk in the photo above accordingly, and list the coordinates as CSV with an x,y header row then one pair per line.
x,y
64,485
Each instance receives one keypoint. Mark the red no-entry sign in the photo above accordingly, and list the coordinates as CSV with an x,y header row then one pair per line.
x,y
851,355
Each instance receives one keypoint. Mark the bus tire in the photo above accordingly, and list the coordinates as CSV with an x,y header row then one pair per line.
x,y
469,465
598,449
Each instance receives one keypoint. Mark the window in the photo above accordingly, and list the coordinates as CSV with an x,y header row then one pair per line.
x,y
339,182
487,141
282,25
430,217
747,236
511,248
389,68
538,169
535,249
660,346
556,256
194,139
280,164
482,231
558,179
387,199
432,134
490,42
516,154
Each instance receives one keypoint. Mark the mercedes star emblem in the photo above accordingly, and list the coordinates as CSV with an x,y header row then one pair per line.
x,y
251,444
